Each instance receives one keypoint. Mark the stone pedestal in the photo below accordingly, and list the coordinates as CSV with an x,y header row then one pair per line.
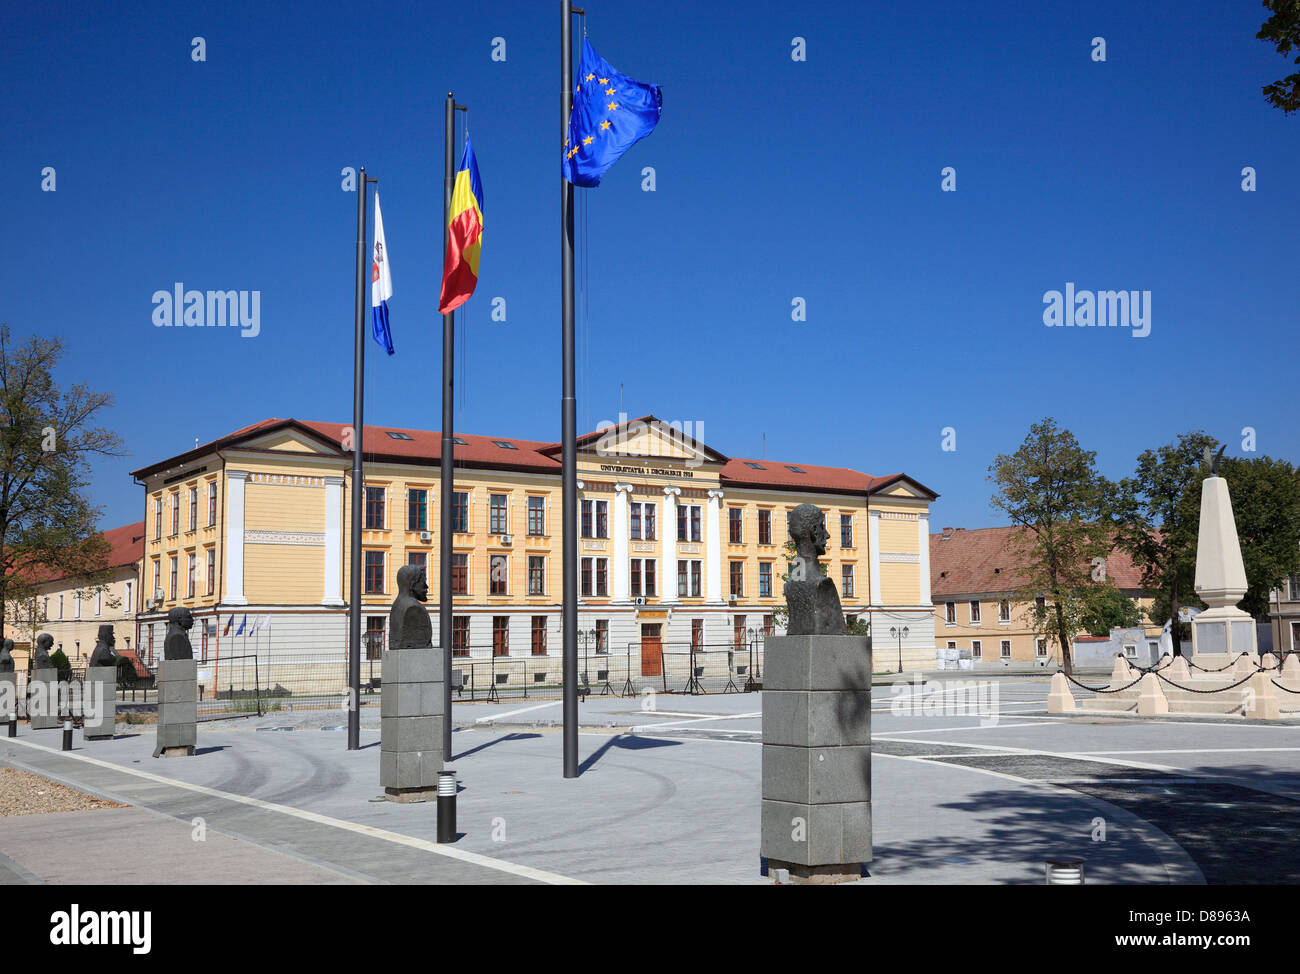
x,y
43,698
1151,697
178,707
1259,701
411,716
1059,698
816,799
8,698
1222,629
99,694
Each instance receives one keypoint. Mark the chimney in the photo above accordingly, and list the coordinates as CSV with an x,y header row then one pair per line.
x,y
947,533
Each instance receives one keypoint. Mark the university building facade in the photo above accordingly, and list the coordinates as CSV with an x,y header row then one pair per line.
x,y
679,544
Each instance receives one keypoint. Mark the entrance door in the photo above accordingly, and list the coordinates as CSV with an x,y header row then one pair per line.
x,y
652,655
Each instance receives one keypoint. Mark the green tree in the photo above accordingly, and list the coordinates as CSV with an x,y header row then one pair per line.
x,y
1051,490
1266,508
47,437
1158,513
1106,608
1282,30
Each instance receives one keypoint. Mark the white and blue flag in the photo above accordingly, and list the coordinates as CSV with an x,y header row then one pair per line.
x,y
381,285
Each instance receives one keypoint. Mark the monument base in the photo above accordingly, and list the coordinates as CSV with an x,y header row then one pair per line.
x,y
178,707
411,723
99,690
1222,634
43,698
8,696
816,756
409,796
801,875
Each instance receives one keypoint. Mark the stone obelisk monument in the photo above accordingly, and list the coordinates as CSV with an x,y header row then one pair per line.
x,y
410,701
816,813
1222,631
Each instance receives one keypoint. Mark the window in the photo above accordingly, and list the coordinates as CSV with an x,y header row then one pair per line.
x,y
1041,602
636,576
417,510
735,525
697,634
1006,649
171,567
504,445
500,635
976,648
643,576
950,613
1040,647
650,576
738,635
539,635
459,573
602,635
99,598
737,578
212,571
688,578
157,517
792,468
769,626
420,559
754,466
1293,583
642,521
460,635
585,578
602,519
764,526
846,530
648,527
76,597
536,575
191,576
498,574
846,581
212,503
974,613
595,519
128,603
1131,650
536,516
1004,610
397,435
375,508
374,574
194,508
688,522
157,585
374,637
155,571
460,511
497,514
602,578
765,580
176,513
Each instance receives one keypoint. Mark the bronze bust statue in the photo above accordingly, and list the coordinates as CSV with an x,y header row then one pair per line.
x,y
812,599
177,644
103,654
408,621
6,656
42,661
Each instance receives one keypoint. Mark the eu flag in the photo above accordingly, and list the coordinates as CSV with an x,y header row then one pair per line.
x,y
611,113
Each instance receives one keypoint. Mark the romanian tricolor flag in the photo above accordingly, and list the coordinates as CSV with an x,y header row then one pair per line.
x,y
464,234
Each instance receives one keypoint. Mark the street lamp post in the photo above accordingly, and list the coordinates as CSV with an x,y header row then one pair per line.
x,y
899,634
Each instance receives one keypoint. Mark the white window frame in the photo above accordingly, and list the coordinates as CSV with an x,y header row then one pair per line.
x,y
976,648
950,613
1004,650
976,612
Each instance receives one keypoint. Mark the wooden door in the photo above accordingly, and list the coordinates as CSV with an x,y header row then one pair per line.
x,y
652,655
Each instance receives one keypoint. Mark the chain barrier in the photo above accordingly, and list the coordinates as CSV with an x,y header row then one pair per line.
x,y
1220,669
1231,686
1084,686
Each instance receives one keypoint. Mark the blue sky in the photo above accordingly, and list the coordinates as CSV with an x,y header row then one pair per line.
x,y
775,179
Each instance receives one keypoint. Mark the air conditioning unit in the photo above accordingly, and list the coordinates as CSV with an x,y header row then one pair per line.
x,y
149,605
158,595
731,599
638,601
426,536
507,539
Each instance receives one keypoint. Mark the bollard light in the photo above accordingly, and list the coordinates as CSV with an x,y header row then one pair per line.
x,y
13,726
447,806
67,735
1065,873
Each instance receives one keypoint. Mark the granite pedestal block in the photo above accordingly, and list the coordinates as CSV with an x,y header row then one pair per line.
x,y
178,707
8,696
411,716
43,698
816,812
99,703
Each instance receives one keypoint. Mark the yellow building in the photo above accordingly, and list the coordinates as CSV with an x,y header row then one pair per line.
x,y
680,545
978,611
72,610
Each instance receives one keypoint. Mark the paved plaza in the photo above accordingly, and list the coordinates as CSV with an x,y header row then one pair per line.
x,y
669,793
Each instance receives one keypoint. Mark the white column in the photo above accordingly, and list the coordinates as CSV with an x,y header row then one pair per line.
x,y
923,537
668,531
713,589
235,480
621,566
333,541
873,548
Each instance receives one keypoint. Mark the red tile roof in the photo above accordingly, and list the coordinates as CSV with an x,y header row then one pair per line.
x,y
971,562
126,547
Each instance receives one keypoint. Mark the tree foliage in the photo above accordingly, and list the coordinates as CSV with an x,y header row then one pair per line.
x,y
1282,30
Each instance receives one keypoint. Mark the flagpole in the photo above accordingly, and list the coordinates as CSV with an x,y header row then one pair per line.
x,y
358,488
446,454
568,417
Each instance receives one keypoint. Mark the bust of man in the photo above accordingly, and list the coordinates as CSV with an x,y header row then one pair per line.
x,y
103,654
177,644
6,656
408,621
812,598
42,661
